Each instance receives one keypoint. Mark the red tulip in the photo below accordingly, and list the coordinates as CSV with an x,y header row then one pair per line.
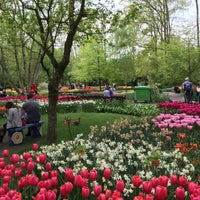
x,y
26,155
14,158
54,180
51,195
101,197
30,166
84,173
108,193
42,158
138,198
149,197
163,180
22,164
85,192
107,173
161,192
191,186
120,185
35,147
48,166
93,175
146,186
69,174
6,179
18,172
5,153
78,180
2,164
136,181
173,179
180,193
154,182
66,188
182,181
54,173
45,175
97,189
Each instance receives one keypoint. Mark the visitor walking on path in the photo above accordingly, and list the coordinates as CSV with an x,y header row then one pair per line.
x,y
187,88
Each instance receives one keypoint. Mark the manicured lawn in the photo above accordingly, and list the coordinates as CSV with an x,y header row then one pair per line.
x,y
86,121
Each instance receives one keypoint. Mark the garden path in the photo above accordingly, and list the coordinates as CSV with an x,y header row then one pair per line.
x,y
175,96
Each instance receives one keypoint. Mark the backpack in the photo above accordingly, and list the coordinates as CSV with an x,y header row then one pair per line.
x,y
187,86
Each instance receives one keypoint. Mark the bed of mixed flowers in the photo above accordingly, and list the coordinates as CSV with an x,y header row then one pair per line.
x,y
139,159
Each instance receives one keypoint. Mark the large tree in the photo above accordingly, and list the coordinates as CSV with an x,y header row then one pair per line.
x,y
52,24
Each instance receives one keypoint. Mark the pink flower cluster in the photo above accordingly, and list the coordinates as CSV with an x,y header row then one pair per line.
x,y
176,121
190,109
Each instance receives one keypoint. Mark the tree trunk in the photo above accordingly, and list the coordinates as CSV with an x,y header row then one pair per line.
x,y
52,111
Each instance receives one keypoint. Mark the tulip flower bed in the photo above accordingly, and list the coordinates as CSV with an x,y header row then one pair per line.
x,y
124,160
180,107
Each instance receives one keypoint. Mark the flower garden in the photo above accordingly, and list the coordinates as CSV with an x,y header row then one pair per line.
x,y
154,155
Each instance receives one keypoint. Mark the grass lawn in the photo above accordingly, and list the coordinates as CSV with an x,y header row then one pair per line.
x,y
86,120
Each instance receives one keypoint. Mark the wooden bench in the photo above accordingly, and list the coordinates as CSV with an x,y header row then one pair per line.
x,y
16,136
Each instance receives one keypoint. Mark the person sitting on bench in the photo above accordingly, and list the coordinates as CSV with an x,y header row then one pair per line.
x,y
13,115
32,109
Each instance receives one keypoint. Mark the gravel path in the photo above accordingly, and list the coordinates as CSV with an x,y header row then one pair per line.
x,y
175,96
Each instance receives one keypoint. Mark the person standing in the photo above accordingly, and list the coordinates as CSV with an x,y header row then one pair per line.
x,y
198,91
13,115
32,109
187,88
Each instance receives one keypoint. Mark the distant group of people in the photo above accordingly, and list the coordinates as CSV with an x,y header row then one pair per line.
x,y
188,91
108,92
30,112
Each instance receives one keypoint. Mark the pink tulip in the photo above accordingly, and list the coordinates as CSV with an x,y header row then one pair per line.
x,y
138,198
101,197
